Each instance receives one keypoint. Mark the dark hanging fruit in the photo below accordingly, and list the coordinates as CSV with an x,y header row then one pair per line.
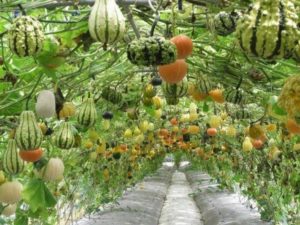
x,y
25,36
28,134
107,115
151,51
225,23
156,81
87,114
269,29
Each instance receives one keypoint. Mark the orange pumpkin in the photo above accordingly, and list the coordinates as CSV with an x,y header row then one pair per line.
x,y
217,95
212,131
292,126
184,45
163,132
31,156
174,72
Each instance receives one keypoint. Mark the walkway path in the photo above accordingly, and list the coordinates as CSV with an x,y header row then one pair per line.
x,y
172,197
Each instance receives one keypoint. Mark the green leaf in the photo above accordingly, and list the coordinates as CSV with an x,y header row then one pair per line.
x,y
279,111
37,195
205,107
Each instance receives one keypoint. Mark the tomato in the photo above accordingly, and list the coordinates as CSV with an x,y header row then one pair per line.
x,y
257,143
212,131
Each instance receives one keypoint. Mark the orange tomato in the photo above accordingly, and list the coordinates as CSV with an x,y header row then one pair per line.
x,y
217,95
212,131
174,121
31,156
257,143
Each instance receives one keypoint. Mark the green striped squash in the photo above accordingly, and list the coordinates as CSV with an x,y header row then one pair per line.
x,y
225,23
64,138
111,95
203,84
12,163
25,37
175,90
151,51
87,114
172,101
28,134
240,113
234,96
269,29
106,22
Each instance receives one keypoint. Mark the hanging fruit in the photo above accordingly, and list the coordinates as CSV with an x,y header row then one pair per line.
x,y
215,121
87,114
64,138
289,97
12,163
175,90
247,145
53,170
203,85
107,115
269,29
217,95
10,192
67,110
45,105
31,155
175,72
256,131
149,91
184,46
156,81
112,95
211,132
28,134
235,96
151,51
225,23
25,37
106,22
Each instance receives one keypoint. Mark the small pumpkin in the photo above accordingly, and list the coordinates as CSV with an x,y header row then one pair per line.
x,y
31,156
67,111
174,72
217,95
184,46
211,131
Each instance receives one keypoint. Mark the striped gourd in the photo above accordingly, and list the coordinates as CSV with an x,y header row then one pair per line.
x,y
28,134
151,51
25,36
106,22
111,95
203,85
175,90
269,29
87,114
172,100
12,163
296,55
225,23
240,113
235,96
64,138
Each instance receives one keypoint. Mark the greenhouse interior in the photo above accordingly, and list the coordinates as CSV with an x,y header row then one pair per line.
x,y
149,112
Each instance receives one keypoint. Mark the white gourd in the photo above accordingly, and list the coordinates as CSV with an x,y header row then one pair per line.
x,y
45,105
106,22
10,192
53,171
9,210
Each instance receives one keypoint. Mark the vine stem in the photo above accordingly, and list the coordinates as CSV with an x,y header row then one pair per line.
x,y
33,89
